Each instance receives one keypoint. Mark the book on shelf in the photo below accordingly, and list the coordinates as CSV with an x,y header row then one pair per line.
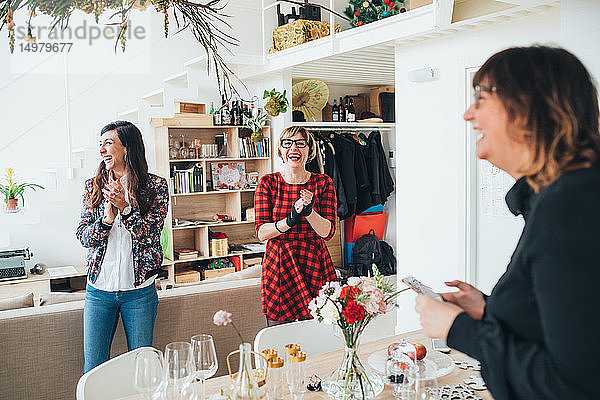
x,y
188,179
248,148
186,254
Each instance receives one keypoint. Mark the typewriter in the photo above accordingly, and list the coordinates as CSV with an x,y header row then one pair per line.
x,y
12,264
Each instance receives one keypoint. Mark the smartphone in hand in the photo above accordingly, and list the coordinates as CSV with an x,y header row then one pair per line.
x,y
420,288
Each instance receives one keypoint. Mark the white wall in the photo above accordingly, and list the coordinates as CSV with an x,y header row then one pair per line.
x,y
431,148
34,139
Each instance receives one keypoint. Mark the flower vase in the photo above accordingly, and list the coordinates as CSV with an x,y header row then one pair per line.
x,y
245,386
351,380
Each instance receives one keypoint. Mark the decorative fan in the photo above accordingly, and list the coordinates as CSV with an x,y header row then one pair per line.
x,y
310,97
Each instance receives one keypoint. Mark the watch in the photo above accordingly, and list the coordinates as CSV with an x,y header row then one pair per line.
x,y
126,211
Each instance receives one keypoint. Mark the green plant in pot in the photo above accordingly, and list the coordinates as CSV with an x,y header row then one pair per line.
x,y
256,124
277,102
13,190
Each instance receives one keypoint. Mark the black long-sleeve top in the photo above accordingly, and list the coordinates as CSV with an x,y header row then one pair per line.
x,y
539,335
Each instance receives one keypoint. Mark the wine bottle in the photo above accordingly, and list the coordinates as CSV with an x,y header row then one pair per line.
x,y
212,108
226,115
351,113
342,112
335,112
234,112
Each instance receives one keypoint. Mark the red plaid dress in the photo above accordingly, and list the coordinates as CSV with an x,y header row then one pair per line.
x,y
296,264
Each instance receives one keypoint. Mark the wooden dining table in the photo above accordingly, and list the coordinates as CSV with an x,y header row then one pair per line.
x,y
324,364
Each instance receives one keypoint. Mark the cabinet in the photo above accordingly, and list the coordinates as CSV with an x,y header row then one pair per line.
x,y
197,202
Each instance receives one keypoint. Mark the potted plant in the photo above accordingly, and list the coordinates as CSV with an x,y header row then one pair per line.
x,y
256,124
277,102
13,189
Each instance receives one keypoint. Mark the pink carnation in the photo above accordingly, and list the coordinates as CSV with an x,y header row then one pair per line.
x,y
376,302
222,318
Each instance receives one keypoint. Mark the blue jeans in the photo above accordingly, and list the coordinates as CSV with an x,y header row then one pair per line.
x,y
101,314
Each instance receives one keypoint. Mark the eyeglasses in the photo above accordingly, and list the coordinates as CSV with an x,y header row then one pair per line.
x,y
479,89
300,143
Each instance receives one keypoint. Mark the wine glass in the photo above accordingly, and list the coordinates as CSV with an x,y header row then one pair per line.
x,y
180,369
205,358
149,375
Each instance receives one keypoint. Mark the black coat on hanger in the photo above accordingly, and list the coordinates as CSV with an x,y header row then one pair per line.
x,y
381,178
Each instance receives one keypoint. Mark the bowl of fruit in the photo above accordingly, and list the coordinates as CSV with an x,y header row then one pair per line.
x,y
429,362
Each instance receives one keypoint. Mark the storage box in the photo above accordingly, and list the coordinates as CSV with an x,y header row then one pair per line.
x,y
189,108
219,247
213,273
358,225
299,32
187,276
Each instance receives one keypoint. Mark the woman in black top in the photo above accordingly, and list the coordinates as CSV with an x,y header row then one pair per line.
x,y
536,334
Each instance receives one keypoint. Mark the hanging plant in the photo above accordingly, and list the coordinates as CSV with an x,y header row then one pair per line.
x,y
202,18
256,124
277,102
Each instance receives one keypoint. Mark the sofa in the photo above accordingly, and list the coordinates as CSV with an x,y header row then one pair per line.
x,y
41,347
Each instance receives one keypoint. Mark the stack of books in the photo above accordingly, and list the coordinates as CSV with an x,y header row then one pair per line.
x,y
248,148
187,180
186,254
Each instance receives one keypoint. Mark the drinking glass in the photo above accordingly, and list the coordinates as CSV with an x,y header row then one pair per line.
x,y
180,370
426,385
149,373
205,358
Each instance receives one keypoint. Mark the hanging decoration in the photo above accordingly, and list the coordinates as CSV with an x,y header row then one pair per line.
x,y
204,18
365,11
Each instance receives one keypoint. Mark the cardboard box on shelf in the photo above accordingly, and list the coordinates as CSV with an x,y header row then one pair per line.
x,y
189,108
187,276
213,273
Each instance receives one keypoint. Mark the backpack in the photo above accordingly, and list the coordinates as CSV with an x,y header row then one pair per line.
x,y
369,250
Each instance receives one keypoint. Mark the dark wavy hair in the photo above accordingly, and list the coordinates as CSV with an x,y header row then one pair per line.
x,y
550,93
140,194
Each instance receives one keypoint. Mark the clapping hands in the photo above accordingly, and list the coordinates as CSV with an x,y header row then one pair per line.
x,y
114,195
304,204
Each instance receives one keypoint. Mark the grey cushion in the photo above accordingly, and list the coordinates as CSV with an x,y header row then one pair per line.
x,y
17,302
57,297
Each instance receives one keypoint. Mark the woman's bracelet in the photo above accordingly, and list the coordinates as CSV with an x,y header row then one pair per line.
x,y
276,227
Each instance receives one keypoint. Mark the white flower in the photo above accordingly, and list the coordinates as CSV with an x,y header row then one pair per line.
x,y
354,281
330,314
331,289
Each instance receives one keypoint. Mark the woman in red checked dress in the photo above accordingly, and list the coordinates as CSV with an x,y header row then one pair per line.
x,y
295,213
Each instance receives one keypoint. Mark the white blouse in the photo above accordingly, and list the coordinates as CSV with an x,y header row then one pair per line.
x,y
116,272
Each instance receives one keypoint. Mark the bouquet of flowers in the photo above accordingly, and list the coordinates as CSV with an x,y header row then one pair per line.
x,y
351,307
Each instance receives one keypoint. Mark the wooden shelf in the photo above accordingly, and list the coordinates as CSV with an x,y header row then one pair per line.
x,y
214,192
183,160
201,258
180,228
203,205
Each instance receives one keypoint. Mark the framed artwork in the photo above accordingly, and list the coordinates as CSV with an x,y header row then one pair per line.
x,y
228,175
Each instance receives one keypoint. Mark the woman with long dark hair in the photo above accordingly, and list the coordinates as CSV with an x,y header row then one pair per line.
x,y
536,109
124,208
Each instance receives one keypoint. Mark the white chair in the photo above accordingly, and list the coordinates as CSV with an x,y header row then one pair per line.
x,y
110,380
313,337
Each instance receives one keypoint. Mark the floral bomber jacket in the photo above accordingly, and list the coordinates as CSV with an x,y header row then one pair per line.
x,y
145,232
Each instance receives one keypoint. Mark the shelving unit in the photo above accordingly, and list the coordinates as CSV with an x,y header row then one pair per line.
x,y
204,204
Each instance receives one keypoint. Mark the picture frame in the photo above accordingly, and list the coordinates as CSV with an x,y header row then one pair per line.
x,y
228,175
